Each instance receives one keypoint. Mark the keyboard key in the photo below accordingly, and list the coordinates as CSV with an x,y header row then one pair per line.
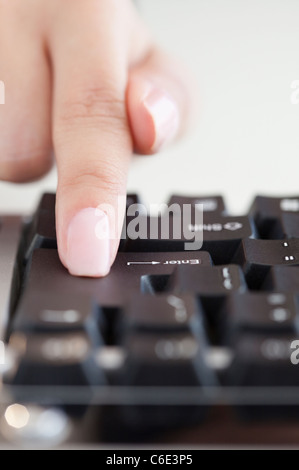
x,y
166,360
221,236
114,290
262,361
257,256
39,311
207,280
276,218
152,314
43,229
163,313
46,204
42,233
132,199
134,206
60,360
210,204
290,225
260,313
211,285
282,279
263,373
10,260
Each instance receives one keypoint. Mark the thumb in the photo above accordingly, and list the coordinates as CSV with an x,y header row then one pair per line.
x,y
160,101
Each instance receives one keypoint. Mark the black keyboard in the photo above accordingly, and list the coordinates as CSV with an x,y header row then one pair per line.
x,y
173,347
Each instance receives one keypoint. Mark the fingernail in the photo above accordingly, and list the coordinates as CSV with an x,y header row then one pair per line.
x,y
88,244
165,114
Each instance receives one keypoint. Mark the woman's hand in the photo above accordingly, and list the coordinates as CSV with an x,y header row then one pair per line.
x,y
83,78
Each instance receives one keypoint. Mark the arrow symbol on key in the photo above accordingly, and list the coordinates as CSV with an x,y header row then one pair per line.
x,y
142,262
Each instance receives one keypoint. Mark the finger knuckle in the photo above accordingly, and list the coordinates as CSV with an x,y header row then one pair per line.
x,y
92,107
104,177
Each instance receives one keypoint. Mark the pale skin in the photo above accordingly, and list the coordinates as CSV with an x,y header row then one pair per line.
x,y
84,81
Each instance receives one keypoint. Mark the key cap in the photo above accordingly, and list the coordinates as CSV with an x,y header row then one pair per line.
x,y
166,360
115,290
134,208
211,285
263,360
276,218
290,225
163,313
41,311
221,235
170,360
134,205
282,279
47,203
260,313
257,256
42,232
210,204
10,237
202,280
152,314
60,359
132,199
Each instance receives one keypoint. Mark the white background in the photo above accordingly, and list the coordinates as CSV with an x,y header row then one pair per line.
x,y
245,55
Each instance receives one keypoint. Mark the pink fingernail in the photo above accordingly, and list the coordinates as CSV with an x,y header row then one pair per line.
x,y
165,114
88,244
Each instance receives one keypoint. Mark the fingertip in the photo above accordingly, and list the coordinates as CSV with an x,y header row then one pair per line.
x,y
88,244
89,224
